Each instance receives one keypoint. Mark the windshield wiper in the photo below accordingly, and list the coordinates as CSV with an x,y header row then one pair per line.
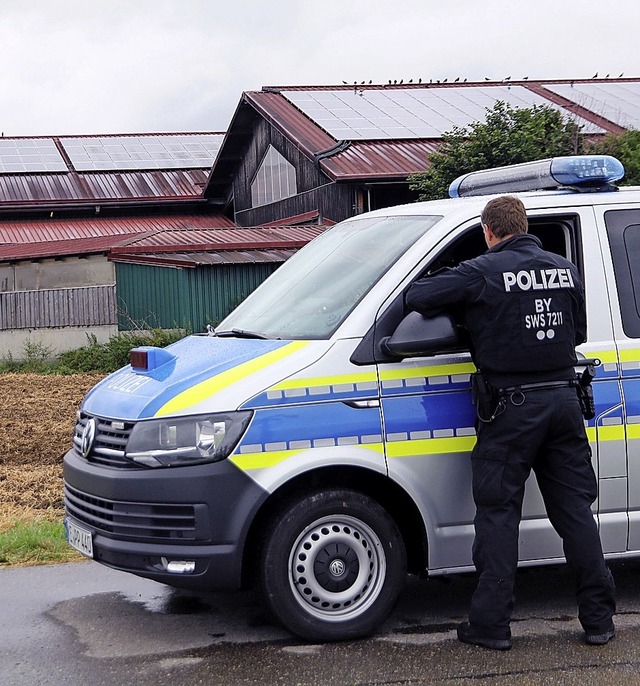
x,y
241,333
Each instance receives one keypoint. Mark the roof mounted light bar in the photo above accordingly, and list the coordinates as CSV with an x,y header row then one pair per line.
x,y
580,172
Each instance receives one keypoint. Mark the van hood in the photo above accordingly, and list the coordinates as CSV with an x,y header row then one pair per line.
x,y
202,374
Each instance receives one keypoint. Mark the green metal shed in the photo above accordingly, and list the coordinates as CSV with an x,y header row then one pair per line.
x,y
167,297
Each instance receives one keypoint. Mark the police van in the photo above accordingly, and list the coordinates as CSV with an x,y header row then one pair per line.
x,y
316,444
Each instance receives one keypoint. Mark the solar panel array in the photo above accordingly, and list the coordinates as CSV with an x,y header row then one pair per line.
x,y
363,114
21,155
617,102
109,153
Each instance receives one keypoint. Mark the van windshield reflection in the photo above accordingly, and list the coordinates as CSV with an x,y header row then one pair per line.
x,y
312,293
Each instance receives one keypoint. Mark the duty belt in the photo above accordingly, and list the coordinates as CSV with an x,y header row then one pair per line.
x,y
543,385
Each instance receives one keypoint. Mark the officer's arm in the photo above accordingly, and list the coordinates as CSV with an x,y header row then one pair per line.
x,y
579,310
442,290
580,318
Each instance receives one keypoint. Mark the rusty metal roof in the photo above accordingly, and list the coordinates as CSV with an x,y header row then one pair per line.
x,y
30,231
195,259
61,248
246,238
129,168
153,239
50,190
372,160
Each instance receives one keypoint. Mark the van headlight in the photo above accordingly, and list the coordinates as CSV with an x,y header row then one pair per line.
x,y
178,441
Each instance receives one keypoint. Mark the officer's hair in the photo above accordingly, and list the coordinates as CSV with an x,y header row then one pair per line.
x,y
505,216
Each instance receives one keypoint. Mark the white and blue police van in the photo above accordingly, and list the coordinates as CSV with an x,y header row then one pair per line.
x,y
317,444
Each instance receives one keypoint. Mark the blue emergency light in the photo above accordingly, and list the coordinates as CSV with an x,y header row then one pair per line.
x,y
580,172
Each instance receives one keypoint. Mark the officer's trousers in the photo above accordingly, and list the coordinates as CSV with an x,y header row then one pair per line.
x,y
545,433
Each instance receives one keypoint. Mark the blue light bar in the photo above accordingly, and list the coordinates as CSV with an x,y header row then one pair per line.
x,y
582,172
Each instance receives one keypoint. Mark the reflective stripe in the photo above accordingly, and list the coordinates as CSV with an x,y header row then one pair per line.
x,y
440,370
215,384
633,431
431,446
271,458
342,381
628,355
605,356
606,433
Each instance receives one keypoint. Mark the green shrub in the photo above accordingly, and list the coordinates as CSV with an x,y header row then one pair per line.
x,y
107,357
103,358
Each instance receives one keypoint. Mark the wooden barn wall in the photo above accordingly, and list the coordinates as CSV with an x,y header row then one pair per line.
x,y
315,190
167,298
59,307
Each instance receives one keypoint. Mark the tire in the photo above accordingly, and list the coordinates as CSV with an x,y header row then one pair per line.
x,y
332,565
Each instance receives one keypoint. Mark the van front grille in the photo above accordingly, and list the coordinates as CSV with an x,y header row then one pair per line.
x,y
130,519
110,441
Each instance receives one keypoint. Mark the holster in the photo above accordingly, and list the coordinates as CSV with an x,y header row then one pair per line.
x,y
483,396
585,392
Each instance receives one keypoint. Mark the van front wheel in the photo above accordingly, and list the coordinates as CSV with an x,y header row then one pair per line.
x,y
332,565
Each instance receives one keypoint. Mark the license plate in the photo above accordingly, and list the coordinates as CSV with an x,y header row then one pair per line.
x,y
79,538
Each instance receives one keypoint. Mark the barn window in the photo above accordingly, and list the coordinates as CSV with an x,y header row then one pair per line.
x,y
275,179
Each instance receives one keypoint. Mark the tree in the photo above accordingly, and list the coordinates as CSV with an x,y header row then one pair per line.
x,y
626,147
508,136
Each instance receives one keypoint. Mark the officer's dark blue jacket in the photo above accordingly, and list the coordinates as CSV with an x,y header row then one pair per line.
x,y
524,308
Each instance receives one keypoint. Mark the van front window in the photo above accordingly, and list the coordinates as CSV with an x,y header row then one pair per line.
x,y
314,291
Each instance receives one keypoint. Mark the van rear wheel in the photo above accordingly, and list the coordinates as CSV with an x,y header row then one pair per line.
x,y
332,565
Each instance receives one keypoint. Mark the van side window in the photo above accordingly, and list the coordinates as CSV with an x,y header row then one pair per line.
x,y
623,230
557,234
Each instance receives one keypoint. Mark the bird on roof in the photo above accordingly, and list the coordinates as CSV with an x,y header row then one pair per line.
x,y
420,80
524,78
621,75
607,76
343,81
456,79
506,78
486,78
595,76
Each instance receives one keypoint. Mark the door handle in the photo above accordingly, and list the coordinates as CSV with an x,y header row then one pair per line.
x,y
362,404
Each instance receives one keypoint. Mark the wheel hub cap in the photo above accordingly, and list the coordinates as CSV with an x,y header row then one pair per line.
x,y
337,568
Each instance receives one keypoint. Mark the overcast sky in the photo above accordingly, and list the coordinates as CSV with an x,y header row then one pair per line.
x,y
128,66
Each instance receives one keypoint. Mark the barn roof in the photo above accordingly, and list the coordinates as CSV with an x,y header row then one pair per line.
x,y
382,132
215,246
59,171
38,238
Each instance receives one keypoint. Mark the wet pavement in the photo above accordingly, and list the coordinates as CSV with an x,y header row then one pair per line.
x,y
83,624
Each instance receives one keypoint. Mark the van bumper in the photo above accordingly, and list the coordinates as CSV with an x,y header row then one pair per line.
x,y
182,526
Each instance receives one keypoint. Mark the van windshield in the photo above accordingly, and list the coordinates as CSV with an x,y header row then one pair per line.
x,y
312,293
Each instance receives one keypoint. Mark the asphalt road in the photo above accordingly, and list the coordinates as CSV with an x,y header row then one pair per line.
x,y
84,625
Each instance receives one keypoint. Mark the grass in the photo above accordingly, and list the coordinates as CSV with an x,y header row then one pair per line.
x,y
35,542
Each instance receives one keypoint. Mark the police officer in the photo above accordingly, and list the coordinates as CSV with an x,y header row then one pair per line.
x,y
525,312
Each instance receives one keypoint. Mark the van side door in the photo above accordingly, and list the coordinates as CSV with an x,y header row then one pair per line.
x,y
429,421
621,250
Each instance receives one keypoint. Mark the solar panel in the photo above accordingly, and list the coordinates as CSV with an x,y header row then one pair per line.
x,y
411,112
617,102
124,153
19,155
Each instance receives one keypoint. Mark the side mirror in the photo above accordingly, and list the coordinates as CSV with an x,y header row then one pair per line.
x,y
417,335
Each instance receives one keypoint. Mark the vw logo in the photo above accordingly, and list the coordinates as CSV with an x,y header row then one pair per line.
x,y
337,567
88,436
